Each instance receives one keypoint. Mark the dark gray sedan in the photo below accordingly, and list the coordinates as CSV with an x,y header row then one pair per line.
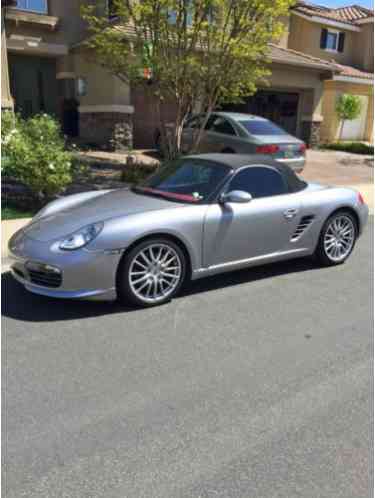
x,y
196,216
232,132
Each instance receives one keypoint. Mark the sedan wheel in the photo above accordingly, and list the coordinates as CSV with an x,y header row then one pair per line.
x,y
153,273
337,238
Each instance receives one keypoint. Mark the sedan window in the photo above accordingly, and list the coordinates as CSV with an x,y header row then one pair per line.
x,y
259,182
221,125
260,127
194,122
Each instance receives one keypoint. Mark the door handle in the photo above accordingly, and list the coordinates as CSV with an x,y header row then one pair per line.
x,y
290,213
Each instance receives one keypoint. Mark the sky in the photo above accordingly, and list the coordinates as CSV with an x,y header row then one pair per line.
x,y
337,3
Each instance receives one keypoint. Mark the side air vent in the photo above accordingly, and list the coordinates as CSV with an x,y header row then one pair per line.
x,y
302,227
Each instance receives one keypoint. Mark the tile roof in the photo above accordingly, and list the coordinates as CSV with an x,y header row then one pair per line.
x,y
348,15
289,56
354,12
353,72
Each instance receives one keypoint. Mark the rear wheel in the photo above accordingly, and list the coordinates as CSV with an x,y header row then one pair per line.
x,y
152,273
228,151
337,238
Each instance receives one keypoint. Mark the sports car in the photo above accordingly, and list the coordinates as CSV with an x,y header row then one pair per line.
x,y
196,216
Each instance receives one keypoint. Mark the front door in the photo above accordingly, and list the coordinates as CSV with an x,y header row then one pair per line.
x,y
33,84
261,227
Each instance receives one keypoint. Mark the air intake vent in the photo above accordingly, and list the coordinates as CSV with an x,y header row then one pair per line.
x,y
44,275
302,227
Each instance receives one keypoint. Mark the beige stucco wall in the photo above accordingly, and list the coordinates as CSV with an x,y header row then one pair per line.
x,y
364,48
283,41
6,99
331,123
69,30
102,87
305,37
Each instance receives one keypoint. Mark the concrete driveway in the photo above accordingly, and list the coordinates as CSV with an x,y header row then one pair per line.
x,y
338,168
253,384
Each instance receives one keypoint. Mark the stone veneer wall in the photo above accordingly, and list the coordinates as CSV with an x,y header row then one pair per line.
x,y
110,130
311,132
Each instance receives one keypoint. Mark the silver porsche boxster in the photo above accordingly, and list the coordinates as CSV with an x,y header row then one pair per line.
x,y
196,216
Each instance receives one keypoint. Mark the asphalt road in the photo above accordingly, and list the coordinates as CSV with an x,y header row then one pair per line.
x,y
252,384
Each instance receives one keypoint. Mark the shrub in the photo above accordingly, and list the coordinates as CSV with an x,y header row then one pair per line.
x,y
353,147
34,153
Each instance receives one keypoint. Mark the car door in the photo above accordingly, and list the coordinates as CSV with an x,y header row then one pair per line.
x,y
220,135
261,227
189,133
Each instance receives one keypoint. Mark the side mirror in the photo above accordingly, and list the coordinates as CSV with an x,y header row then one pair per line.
x,y
235,196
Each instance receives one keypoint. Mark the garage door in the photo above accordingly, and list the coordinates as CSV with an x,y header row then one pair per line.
x,y
355,129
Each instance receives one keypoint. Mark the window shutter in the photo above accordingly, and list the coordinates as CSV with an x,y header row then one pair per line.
x,y
340,47
323,38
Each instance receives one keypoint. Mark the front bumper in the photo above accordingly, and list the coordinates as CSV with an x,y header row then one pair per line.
x,y
84,274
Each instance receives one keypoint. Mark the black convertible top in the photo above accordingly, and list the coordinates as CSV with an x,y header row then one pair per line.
x,y
236,161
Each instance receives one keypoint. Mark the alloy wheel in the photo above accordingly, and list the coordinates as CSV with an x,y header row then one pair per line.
x,y
155,272
339,238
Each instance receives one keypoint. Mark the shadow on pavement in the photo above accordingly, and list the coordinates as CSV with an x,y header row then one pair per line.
x,y
19,304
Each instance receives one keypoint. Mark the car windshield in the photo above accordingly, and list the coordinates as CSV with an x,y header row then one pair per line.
x,y
258,127
185,180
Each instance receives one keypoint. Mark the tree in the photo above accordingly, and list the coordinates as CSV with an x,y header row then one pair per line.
x,y
192,51
348,107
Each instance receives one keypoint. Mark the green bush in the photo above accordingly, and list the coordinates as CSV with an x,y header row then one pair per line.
x,y
353,147
34,153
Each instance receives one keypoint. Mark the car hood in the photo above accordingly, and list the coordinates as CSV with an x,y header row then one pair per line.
x,y
114,204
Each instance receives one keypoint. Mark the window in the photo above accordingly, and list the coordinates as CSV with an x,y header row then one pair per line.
x,y
39,6
186,180
111,11
194,122
259,182
219,124
332,40
259,127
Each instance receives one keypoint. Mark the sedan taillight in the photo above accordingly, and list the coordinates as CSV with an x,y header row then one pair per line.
x,y
267,149
302,148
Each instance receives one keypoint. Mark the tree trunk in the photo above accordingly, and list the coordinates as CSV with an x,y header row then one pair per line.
x,y
341,129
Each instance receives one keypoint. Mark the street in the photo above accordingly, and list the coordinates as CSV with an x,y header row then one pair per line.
x,y
251,384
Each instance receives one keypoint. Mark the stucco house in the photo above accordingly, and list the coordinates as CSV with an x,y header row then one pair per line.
x,y
45,67
345,37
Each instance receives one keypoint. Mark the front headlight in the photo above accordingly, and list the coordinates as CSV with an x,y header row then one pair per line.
x,y
81,237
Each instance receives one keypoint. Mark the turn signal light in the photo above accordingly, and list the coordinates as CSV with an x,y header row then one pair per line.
x,y
267,149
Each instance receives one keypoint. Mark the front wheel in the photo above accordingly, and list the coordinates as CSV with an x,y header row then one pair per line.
x,y
337,239
152,273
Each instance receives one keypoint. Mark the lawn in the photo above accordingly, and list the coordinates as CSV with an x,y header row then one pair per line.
x,y
12,213
353,147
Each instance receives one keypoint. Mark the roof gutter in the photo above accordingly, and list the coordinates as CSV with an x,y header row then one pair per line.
x,y
366,20
312,65
353,79
327,22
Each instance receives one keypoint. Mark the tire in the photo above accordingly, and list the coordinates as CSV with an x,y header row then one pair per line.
x,y
137,277
228,151
327,251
